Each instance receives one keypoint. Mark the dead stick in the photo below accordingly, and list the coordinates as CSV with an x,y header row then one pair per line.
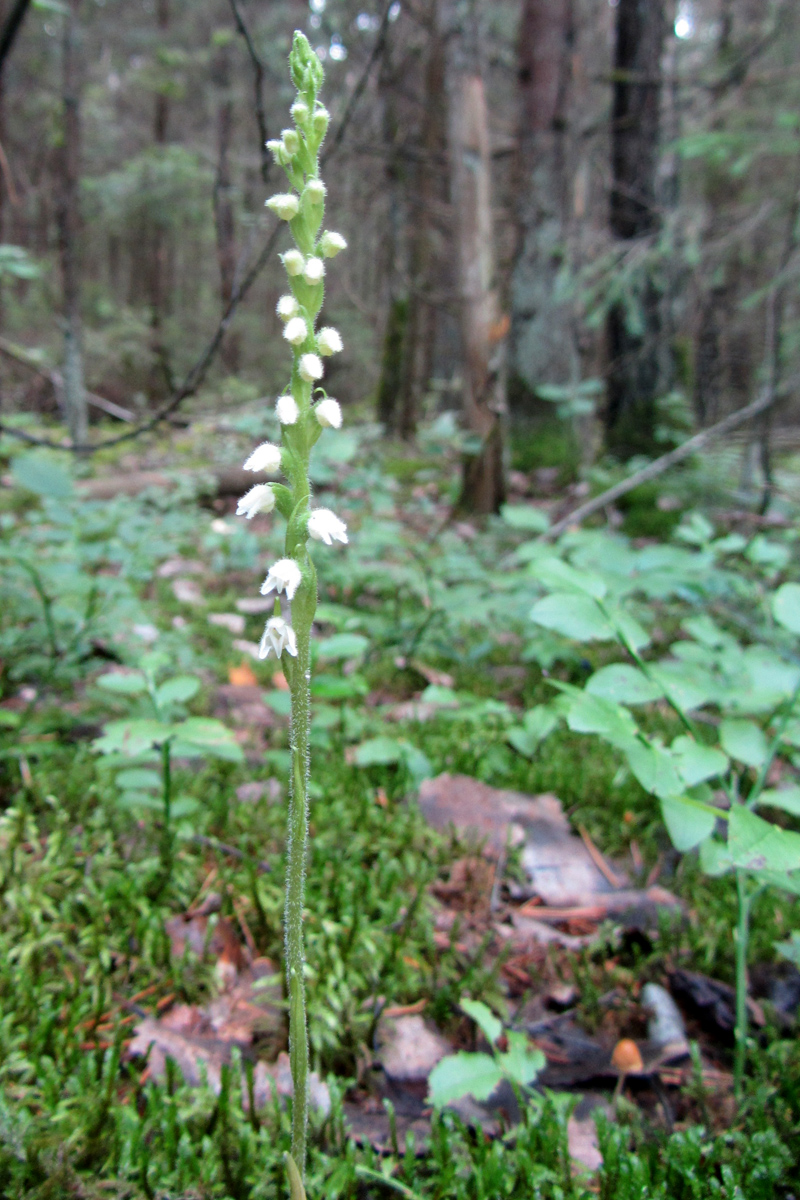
x,y
659,465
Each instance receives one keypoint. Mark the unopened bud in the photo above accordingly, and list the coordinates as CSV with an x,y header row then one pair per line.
x,y
287,307
285,205
320,121
328,341
294,262
291,141
300,112
315,191
314,270
311,367
331,244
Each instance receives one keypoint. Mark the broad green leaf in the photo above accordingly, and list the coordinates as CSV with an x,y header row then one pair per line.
x,y
623,683
442,696
416,762
378,752
9,719
628,629
37,472
210,736
137,779
757,845
525,517
715,857
343,645
654,768
787,798
705,631
696,762
463,1074
336,687
574,615
556,574
537,724
593,714
131,738
484,1018
744,741
790,949
786,606
521,1062
184,806
140,800
687,825
177,690
125,684
766,553
688,684
279,701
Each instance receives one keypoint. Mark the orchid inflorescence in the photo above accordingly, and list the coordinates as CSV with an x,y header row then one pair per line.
x,y
303,411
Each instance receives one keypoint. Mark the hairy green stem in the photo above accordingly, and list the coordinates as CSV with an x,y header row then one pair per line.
x,y
166,795
297,850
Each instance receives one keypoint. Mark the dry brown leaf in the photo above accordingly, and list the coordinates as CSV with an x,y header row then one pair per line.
x,y
242,676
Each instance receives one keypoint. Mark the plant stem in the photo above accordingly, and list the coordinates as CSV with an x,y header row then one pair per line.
x,y
295,889
742,936
166,780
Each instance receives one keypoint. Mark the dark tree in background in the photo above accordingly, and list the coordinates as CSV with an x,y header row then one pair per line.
x,y
634,329
68,214
542,344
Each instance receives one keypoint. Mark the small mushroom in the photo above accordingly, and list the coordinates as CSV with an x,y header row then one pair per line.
x,y
627,1057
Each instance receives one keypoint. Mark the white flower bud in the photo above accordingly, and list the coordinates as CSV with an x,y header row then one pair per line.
x,y
265,457
278,151
294,262
283,576
325,526
291,141
287,307
331,244
296,331
300,112
284,205
320,120
314,270
315,190
278,635
311,367
260,498
329,414
287,410
328,341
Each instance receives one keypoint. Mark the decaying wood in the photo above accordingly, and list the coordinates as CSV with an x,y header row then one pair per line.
x,y
18,355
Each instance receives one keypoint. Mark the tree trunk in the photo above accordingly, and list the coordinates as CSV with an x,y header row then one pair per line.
x,y
224,220
543,349
634,339
394,337
161,382
421,319
68,212
483,486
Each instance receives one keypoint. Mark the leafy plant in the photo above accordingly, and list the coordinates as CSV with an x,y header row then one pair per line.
x,y
146,743
479,1074
754,688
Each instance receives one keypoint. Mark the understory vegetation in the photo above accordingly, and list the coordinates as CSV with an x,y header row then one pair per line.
x,y
434,652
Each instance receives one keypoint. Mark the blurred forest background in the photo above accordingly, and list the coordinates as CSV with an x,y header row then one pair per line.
x,y
575,221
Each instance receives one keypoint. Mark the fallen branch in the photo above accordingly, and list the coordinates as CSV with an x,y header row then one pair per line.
x,y
659,465
54,378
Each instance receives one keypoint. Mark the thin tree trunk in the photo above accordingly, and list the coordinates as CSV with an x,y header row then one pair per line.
x,y
483,485
634,372
542,335
161,382
69,231
421,323
394,337
223,205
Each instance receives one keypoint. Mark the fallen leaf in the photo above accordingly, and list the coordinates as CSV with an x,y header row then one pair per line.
x,y
187,591
242,676
409,1048
179,566
233,622
280,681
584,1148
245,647
252,605
430,674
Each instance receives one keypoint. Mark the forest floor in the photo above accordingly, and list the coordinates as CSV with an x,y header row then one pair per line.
x,y
142,1021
